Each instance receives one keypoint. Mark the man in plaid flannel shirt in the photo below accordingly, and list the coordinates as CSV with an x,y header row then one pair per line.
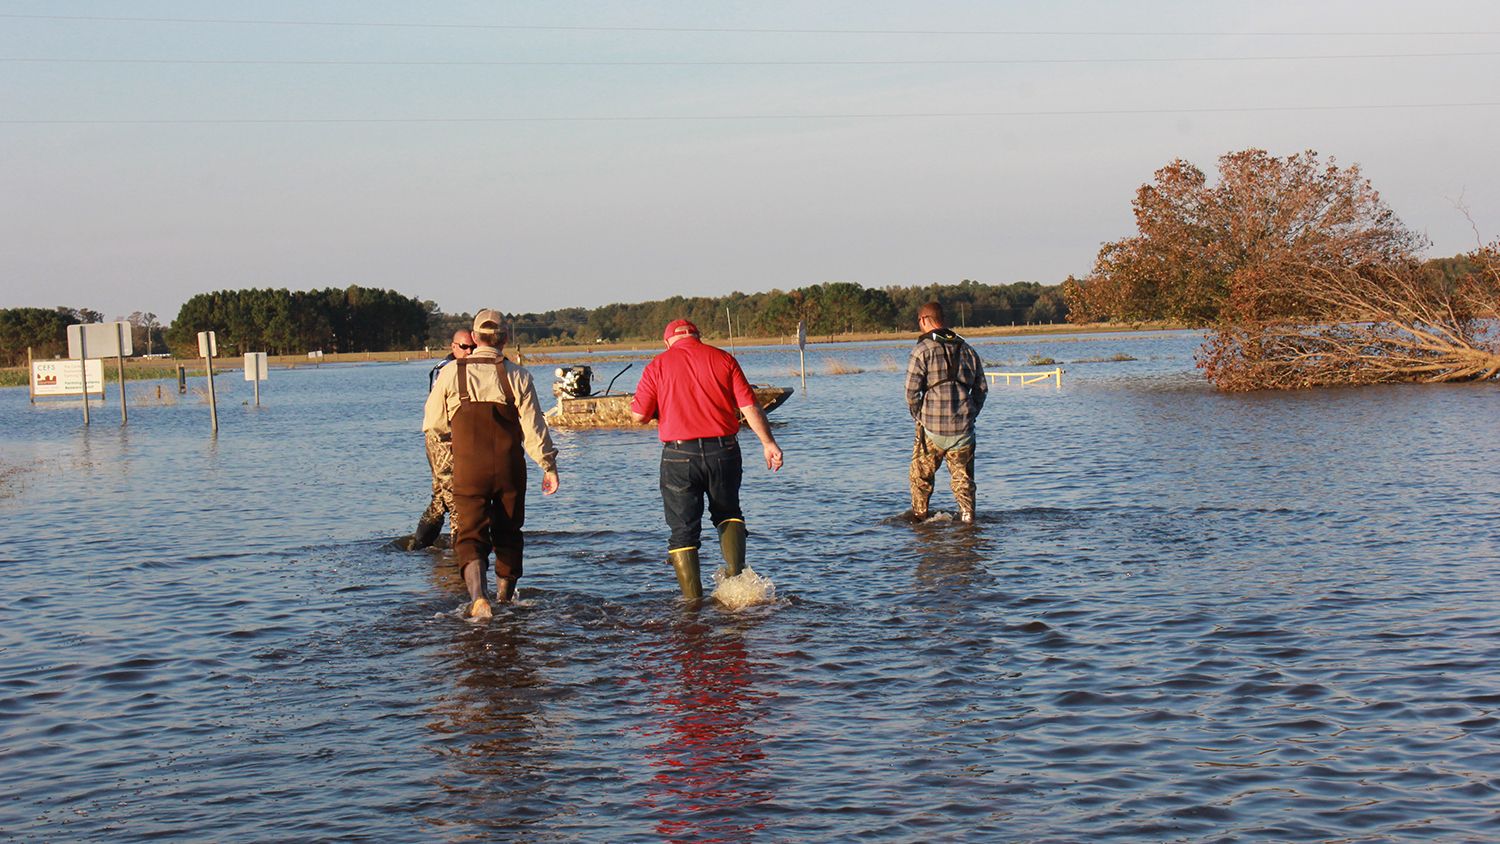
x,y
945,390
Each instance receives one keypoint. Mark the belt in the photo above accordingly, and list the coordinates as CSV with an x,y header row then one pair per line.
x,y
725,440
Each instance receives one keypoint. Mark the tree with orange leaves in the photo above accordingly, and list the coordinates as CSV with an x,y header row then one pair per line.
x,y
1303,273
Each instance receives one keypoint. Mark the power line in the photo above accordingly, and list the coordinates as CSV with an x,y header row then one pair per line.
x,y
739,30
752,63
744,117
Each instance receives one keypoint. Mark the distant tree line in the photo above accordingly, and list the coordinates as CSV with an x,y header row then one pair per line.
x,y
361,319
352,319
825,309
44,330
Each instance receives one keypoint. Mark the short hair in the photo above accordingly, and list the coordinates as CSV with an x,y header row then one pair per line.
x,y
486,337
934,310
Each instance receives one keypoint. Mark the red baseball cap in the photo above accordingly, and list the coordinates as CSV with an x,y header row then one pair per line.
x,y
677,328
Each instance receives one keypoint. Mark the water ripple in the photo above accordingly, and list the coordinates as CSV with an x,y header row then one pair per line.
x,y
1180,616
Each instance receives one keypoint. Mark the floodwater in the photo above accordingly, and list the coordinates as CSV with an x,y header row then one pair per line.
x,y
1181,616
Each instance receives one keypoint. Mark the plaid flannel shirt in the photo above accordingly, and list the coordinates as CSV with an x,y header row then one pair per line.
x,y
945,383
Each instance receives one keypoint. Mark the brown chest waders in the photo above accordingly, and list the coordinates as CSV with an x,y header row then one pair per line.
x,y
489,478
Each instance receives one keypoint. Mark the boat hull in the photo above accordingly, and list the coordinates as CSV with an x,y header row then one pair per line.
x,y
614,411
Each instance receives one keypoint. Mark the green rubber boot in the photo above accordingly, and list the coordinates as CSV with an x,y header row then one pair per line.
x,y
732,543
685,561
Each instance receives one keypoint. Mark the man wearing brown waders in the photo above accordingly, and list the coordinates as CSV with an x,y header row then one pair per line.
x,y
491,409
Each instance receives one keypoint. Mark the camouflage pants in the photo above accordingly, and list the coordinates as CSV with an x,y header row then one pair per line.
x,y
924,463
440,458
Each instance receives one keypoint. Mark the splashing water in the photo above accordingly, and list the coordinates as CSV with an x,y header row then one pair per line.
x,y
743,590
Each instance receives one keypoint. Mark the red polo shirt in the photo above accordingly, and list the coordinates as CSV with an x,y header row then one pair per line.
x,y
695,390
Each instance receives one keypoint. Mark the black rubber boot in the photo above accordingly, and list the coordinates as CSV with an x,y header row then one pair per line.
x,y
732,543
685,561
426,534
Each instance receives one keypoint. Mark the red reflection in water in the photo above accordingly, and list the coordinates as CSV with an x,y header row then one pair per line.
x,y
706,758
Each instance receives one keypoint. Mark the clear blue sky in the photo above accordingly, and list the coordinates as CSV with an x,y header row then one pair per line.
x,y
423,155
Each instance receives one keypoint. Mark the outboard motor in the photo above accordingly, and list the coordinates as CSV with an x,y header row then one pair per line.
x,y
574,382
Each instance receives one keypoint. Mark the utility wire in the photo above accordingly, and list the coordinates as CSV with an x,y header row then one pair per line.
x,y
745,117
745,30
732,63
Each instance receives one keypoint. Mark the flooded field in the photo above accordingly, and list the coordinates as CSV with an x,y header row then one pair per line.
x,y
1181,616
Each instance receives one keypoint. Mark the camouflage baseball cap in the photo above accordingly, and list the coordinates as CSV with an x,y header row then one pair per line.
x,y
488,319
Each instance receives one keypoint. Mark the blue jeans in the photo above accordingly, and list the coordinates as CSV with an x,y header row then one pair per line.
x,y
691,469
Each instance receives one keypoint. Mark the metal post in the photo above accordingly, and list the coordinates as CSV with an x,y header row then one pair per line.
x,y
120,365
181,378
257,384
83,363
730,325
213,401
30,377
802,353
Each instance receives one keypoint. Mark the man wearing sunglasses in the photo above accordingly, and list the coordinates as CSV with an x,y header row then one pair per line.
x,y
440,456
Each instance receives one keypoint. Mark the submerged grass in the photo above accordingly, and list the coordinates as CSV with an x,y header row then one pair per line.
x,y
17,376
835,366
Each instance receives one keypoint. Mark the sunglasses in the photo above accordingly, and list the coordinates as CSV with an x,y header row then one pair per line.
x,y
466,348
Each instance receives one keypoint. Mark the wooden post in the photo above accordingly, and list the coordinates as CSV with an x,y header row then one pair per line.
x,y
30,377
181,378
120,365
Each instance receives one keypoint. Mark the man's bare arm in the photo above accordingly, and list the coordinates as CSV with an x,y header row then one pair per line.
x,y
756,419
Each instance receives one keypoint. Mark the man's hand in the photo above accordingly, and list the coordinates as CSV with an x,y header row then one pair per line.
x,y
756,419
549,482
773,455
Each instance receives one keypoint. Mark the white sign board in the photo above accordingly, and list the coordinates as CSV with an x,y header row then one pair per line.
x,y
208,344
65,377
100,340
318,355
255,366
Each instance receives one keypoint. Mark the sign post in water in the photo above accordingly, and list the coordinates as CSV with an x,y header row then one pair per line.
x,y
256,370
208,346
802,352
102,339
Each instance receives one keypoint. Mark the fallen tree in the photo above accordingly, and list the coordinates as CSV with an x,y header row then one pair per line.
x,y
1199,242
1371,324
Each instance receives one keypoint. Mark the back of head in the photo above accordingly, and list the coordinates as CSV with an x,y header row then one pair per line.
x,y
678,329
933,311
487,330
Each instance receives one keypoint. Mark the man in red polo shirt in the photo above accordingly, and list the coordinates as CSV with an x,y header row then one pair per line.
x,y
697,392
